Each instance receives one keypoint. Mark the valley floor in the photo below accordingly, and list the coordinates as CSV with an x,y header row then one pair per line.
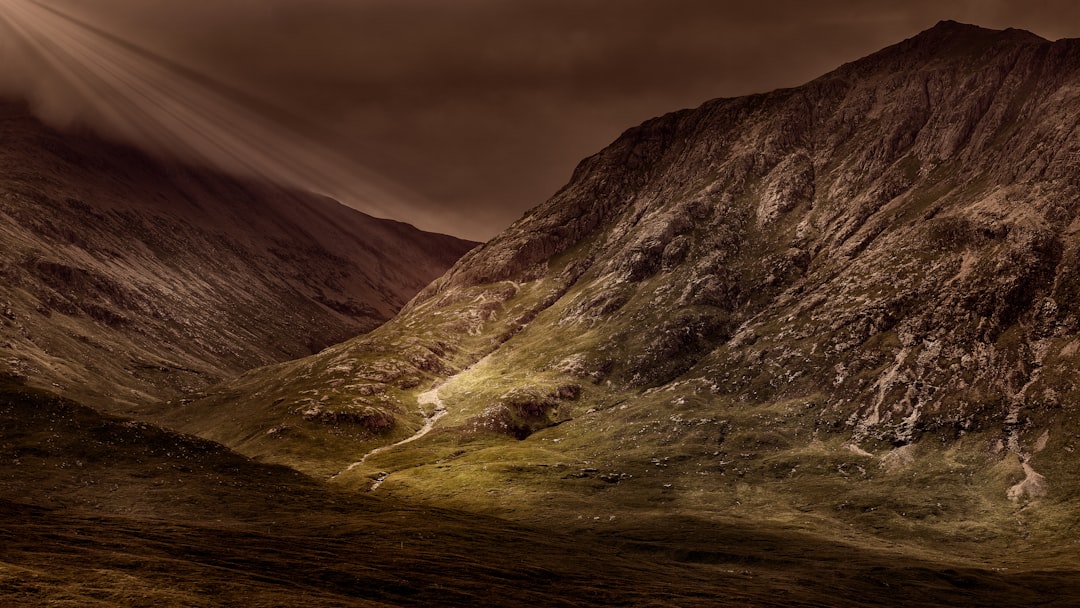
x,y
99,511
410,558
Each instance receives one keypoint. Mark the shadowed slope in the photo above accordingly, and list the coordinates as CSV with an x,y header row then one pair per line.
x,y
129,280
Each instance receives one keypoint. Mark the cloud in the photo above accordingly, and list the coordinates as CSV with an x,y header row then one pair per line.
x,y
483,107
77,74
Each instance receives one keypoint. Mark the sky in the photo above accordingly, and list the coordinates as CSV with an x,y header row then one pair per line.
x,y
456,116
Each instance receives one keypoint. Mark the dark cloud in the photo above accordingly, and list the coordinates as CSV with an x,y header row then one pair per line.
x,y
482,107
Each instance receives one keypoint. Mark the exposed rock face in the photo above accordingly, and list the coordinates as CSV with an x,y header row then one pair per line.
x,y
129,280
883,258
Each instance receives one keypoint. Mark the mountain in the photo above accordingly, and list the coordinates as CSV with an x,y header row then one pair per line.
x,y
129,280
847,308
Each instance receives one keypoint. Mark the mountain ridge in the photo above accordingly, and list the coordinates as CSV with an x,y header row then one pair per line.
x,y
948,33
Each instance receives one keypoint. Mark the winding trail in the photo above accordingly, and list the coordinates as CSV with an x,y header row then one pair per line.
x,y
430,397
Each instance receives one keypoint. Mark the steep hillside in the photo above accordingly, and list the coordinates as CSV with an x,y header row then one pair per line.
x,y
845,307
129,280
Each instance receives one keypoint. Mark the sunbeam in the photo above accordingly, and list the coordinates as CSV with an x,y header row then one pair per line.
x,y
129,92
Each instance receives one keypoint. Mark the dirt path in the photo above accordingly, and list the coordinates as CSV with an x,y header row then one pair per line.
x,y
430,397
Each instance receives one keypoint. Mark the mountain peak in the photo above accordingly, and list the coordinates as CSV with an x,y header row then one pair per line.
x,y
954,32
947,41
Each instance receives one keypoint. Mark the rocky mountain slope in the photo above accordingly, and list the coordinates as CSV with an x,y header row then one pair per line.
x,y
128,280
846,307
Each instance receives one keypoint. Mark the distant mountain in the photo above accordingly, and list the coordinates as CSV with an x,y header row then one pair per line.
x,y
127,280
849,306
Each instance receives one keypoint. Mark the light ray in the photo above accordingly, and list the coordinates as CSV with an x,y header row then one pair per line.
x,y
130,92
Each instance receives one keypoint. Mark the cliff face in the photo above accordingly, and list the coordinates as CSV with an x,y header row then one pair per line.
x,y
865,283
127,280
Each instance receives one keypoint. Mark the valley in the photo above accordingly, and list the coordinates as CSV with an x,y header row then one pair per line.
x,y
810,347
